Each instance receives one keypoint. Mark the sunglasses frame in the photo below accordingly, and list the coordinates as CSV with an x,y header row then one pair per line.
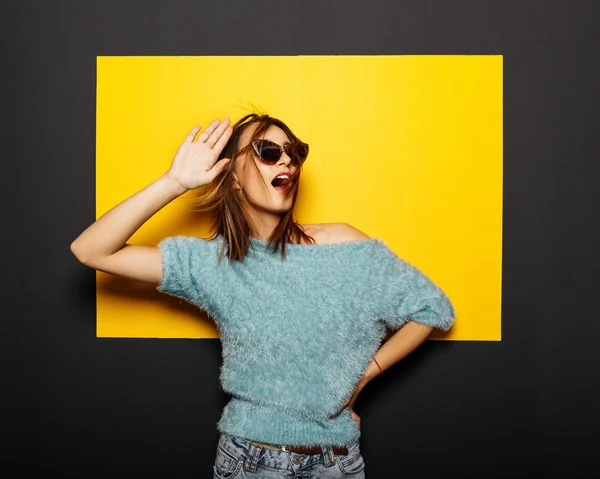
x,y
286,148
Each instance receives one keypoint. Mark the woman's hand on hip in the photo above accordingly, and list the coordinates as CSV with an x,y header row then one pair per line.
x,y
349,403
195,163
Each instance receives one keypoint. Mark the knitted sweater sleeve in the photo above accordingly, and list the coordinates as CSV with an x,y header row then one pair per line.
x,y
408,294
188,270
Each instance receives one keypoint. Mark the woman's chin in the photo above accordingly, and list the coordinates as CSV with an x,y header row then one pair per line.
x,y
284,207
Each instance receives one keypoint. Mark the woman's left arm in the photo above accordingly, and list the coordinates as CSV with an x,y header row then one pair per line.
x,y
411,304
398,346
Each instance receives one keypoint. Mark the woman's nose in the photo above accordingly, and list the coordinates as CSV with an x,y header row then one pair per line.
x,y
285,159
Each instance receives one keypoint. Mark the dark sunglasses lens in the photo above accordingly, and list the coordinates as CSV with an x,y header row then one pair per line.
x,y
301,151
297,151
270,153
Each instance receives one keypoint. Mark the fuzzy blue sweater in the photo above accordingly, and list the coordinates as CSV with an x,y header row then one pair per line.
x,y
298,333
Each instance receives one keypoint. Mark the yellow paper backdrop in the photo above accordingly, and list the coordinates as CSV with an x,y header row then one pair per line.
x,y
406,148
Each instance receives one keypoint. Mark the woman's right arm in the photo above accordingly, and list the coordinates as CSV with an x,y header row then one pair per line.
x,y
103,245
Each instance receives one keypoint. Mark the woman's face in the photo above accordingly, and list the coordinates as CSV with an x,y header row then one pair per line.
x,y
264,198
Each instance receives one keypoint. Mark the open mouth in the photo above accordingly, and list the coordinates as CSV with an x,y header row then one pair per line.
x,y
282,183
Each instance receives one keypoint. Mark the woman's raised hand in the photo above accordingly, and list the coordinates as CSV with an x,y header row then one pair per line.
x,y
195,163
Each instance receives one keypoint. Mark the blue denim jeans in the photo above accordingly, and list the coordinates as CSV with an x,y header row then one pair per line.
x,y
241,458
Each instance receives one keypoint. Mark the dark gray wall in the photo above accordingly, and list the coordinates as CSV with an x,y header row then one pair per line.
x,y
82,406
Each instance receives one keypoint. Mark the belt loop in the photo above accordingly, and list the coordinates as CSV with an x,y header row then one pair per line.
x,y
328,455
252,458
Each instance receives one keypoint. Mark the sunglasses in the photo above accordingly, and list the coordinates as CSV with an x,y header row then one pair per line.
x,y
270,152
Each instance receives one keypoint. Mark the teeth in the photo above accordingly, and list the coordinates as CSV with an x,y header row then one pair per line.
x,y
280,181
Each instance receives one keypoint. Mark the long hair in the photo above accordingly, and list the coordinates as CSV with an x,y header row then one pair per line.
x,y
228,203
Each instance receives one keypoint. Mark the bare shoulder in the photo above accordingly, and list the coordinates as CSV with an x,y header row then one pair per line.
x,y
342,232
331,233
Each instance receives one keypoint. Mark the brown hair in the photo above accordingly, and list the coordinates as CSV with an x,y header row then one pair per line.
x,y
227,202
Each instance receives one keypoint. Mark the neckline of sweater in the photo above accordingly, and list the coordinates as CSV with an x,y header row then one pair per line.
x,y
342,244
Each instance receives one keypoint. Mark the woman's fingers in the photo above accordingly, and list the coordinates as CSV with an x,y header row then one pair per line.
x,y
213,134
192,134
220,165
217,133
220,144
206,134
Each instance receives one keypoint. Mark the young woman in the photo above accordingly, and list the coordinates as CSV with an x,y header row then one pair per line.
x,y
302,309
